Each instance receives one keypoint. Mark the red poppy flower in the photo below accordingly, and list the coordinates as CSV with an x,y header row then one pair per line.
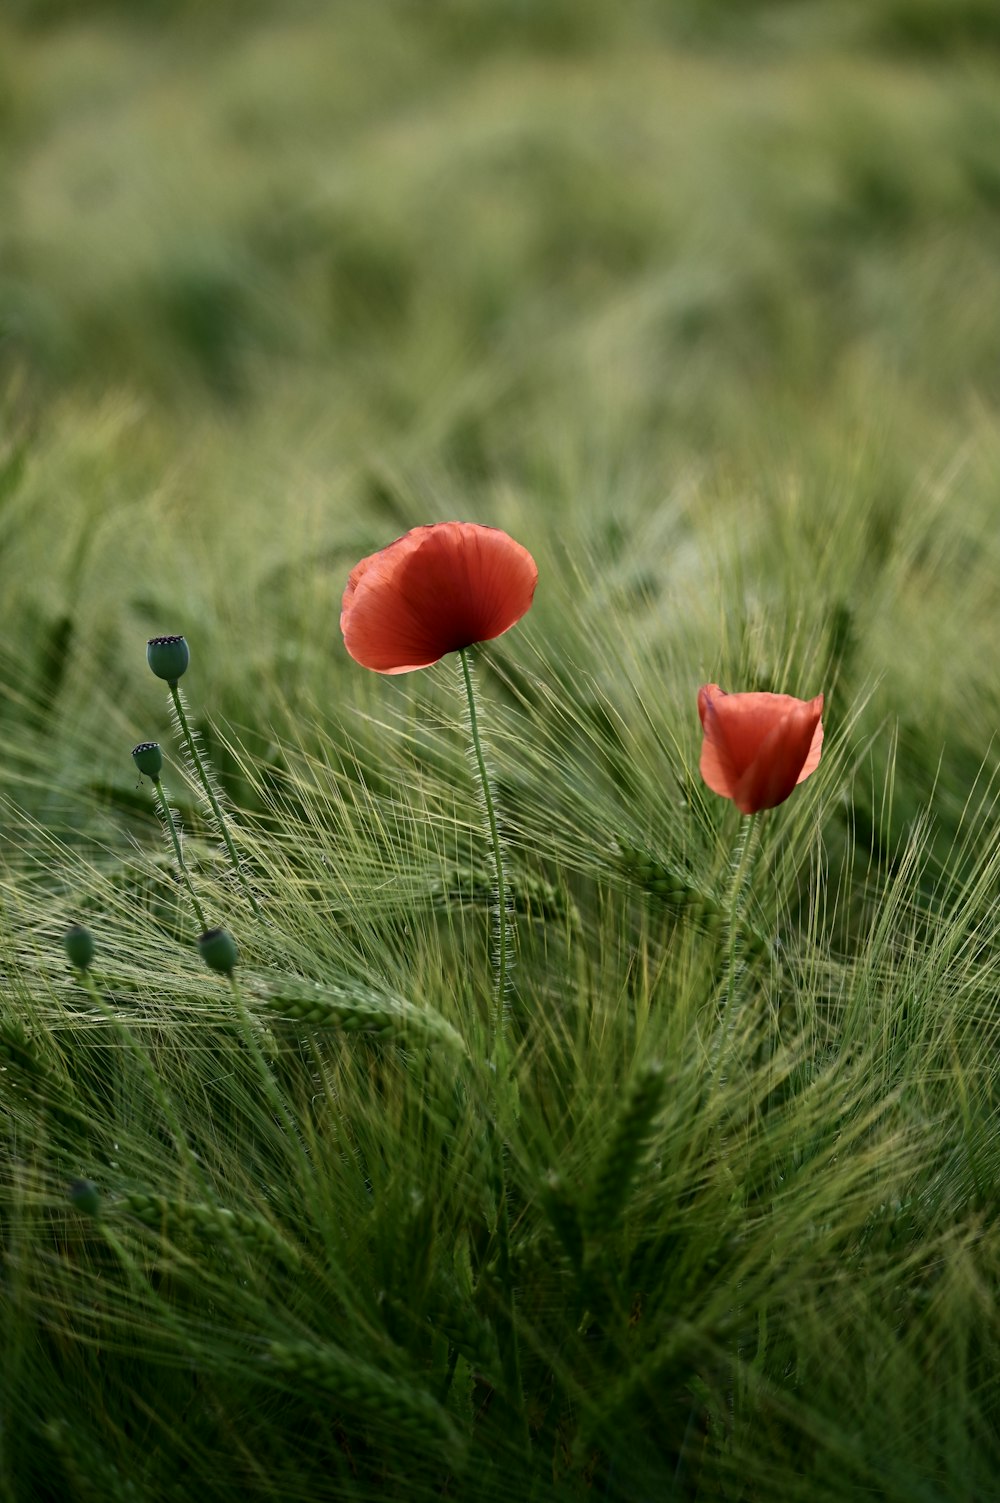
x,y
435,590
757,747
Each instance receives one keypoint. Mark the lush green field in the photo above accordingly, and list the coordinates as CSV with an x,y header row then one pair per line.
x,y
699,302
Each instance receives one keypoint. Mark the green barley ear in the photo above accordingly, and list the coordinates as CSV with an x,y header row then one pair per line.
x,y
533,896
453,1314
213,1222
675,889
683,898
623,1157
168,657
385,1400
564,1217
217,949
358,1011
78,943
27,1072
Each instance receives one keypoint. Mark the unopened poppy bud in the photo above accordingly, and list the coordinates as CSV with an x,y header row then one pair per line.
x,y
758,747
85,1196
78,943
168,657
148,757
218,950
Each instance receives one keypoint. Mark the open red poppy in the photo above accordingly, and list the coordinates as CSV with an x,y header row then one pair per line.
x,y
433,591
757,747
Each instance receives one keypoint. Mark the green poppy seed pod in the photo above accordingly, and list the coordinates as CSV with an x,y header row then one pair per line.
x,y
78,943
218,950
148,757
85,1196
168,657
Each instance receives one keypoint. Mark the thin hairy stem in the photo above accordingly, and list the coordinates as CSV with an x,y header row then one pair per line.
x,y
740,866
499,1086
742,861
206,784
499,1029
168,819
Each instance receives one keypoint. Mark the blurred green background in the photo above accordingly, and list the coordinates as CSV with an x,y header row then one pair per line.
x,y
357,209
279,280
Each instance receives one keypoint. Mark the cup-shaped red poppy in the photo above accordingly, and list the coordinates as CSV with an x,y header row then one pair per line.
x,y
757,747
435,590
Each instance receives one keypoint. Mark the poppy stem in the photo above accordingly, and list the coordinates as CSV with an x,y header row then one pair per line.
x,y
167,817
500,1084
740,865
210,794
742,861
503,926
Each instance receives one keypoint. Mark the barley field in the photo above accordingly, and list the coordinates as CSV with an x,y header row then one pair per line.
x,y
699,301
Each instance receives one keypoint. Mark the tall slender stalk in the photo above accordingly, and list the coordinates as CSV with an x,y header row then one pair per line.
x,y
500,1085
167,816
148,758
499,1020
210,794
740,865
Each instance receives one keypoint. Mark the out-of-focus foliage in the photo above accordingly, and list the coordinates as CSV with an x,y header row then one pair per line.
x,y
234,198
276,282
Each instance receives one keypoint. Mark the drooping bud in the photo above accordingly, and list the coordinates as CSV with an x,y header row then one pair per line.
x,y
168,657
148,757
218,950
85,1196
78,943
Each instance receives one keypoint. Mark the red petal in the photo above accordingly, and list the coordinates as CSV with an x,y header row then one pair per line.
x,y
780,757
707,694
716,764
438,589
816,749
